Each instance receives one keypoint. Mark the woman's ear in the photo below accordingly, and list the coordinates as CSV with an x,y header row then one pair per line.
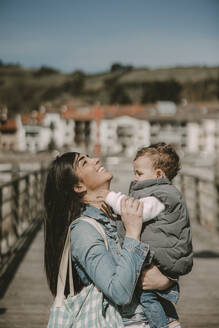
x,y
160,174
79,188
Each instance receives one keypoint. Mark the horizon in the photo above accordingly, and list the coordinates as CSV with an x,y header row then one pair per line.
x,y
14,64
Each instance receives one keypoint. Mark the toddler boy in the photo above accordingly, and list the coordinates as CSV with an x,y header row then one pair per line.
x,y
166,226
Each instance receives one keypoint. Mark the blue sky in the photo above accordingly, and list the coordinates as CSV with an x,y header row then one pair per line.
x,y
92,34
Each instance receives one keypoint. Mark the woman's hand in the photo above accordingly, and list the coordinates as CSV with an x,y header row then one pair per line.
x,y
152,278
131,214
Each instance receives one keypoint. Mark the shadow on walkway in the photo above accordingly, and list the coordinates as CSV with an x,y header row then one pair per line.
x,y
17,256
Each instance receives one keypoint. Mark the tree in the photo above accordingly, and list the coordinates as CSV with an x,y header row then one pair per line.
x,y
110,83
45,70
119,96
217,86
161,90
117,67
76,85
51,93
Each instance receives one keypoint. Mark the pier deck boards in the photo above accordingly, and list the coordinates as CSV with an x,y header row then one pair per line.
x,y
27,300
199,302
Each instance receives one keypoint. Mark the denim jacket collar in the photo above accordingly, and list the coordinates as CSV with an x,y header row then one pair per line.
x,y
94,213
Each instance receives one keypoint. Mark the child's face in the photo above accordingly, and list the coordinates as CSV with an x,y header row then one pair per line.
x,y
143,169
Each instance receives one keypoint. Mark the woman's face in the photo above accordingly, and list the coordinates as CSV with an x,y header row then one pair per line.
x,y
91,173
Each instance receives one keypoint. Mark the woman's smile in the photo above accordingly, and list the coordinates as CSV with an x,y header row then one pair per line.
x,y
101,169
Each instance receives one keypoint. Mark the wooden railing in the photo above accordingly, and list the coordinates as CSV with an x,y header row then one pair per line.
x,y
21,213
200,188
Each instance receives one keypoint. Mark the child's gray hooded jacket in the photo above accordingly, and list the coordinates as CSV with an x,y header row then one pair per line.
x,y
169,234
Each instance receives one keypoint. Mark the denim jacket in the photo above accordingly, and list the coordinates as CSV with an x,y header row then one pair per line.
x,y
114,271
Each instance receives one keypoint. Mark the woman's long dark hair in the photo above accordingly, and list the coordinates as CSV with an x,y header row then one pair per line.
x,y
62,206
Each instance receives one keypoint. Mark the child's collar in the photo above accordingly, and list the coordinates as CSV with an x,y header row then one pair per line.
x,y
136,185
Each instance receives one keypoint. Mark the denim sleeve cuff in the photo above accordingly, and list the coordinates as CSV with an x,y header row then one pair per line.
x,y
140,250
137,246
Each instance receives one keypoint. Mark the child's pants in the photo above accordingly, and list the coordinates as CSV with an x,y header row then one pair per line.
x,y
138,325
158,311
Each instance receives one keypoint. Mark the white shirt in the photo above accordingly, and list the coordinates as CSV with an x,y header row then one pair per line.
x,y
152,206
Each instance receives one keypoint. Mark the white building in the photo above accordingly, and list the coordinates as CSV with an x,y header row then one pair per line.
x,y
115,129
209,141
203,137
167,124
43,129
61,129
12,135
123,134
37,136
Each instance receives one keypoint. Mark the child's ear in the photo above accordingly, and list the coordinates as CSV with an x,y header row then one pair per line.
x,y
79,188
160,174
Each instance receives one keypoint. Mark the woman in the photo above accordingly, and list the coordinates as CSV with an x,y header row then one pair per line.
x,y
73,185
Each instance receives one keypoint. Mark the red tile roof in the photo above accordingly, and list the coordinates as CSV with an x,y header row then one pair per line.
x,y
104,112
34,118
9,126
114,111
78,114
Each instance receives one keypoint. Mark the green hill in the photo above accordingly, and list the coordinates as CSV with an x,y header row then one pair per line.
x,y
23,90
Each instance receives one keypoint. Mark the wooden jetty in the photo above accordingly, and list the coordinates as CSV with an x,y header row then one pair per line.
x,y
199,302
27,300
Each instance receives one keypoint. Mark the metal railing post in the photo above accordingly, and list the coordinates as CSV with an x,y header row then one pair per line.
x,y
16,202
20,217
197,201
1,219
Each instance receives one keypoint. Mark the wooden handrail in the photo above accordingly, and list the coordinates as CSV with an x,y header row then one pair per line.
x,y
202,197
21,208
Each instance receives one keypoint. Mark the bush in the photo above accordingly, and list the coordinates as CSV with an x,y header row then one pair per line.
x,y
119,96
76,85
161,90
45,70
117,67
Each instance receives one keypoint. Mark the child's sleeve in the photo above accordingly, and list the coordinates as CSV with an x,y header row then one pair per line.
x,y
113,199
152,205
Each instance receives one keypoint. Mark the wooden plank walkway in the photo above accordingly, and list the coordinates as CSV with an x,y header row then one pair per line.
x,y
199,302
27,300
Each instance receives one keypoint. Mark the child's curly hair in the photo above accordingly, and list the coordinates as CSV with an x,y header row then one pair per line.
x,y
163,157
